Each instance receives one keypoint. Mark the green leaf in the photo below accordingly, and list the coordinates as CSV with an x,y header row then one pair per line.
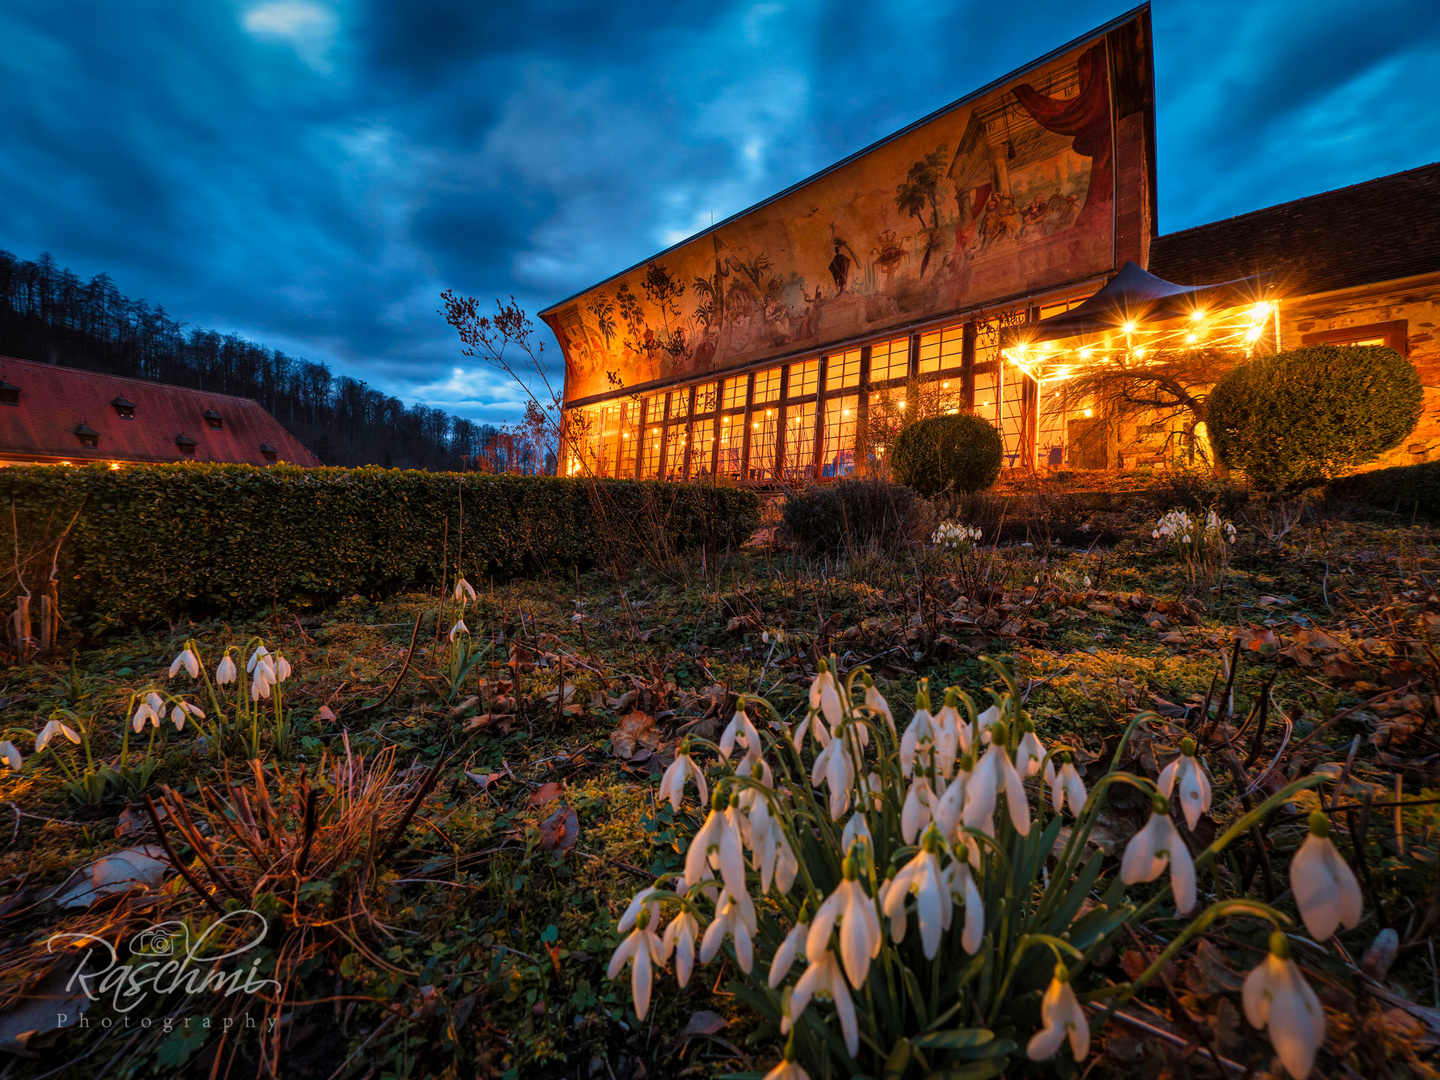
x,y
898,1060
954,1039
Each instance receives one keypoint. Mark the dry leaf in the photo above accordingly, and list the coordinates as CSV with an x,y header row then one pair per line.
x,y
133,868
547,792
325,713
484,779
465,705
636,729
560,830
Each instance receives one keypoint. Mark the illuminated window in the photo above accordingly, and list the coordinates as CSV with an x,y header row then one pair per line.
x,y
764,424
837,449
732,441
767,386
703,450
799,440
804,377
629,436
842,370
650,452
608,440
941,349
734,392
707,398
890,360
679,403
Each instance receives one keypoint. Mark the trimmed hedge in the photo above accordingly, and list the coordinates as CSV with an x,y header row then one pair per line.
x,y
164,541
849,514
1402,488
955,449
1308,415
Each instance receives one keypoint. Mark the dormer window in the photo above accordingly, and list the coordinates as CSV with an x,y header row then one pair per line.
x,y
88,436
124,409
186,445
268,452
214,420
9,395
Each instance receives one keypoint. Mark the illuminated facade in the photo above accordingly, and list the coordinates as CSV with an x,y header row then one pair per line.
x,y
929,273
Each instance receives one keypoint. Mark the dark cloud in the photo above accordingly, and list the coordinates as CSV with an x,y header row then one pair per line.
x,y
312,173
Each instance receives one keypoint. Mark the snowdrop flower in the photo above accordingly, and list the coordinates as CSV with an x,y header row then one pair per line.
x,y
962,885
282,667
1061,1017
951,805
857,831
921,877
1194,785
787,1070
259,656
1030,754
835,768
1277,997
1067,787
919,808
680,939
949,740
813,723
143,712
1326,891
877,704
859,930
10,755
458,629
463,590
740,728
994,772
262,682
672,784
983,723
54,728
920,729
225,672
644,950
185,658
825,696
790,949
640,902
717,845
777,861
735,919
823,980
1154,847
180,712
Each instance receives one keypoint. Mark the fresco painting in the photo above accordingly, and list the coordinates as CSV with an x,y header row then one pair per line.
x,y
997,196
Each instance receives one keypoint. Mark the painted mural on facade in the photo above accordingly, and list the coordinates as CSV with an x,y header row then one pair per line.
x,y
998,196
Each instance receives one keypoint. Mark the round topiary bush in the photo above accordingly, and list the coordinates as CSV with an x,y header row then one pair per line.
x,y
958,449
1306,416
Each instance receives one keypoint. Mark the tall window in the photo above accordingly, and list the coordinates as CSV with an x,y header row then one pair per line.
x,y
890,360
735,392
764,424
703,450
941,349
837,452
675,451
804,377
629,434
799,440
609,439
679,402
732,441
842,370
707,398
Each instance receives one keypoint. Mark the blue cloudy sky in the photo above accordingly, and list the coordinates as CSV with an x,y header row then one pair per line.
x,y
312,173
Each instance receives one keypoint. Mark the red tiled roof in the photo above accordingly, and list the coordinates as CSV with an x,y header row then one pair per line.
x,y
55,401
1380,230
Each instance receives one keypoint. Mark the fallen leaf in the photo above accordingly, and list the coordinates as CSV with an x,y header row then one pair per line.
x,y
1174,638
1210,974
325,713
704,1022
465,706
36,1016
560,830
635,729
134,822
547,792
484,779
554,695
133,868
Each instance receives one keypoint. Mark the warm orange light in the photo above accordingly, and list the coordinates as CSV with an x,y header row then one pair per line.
x,y
1197,315
1190,339
1129,328
1089,412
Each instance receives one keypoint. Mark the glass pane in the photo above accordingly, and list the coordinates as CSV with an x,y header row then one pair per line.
x,y
803,378
679,403
837,452
890,360
767,386
704,436
735,392
842,369
941,349
629,435
799,440
650,452
707,398
675,440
